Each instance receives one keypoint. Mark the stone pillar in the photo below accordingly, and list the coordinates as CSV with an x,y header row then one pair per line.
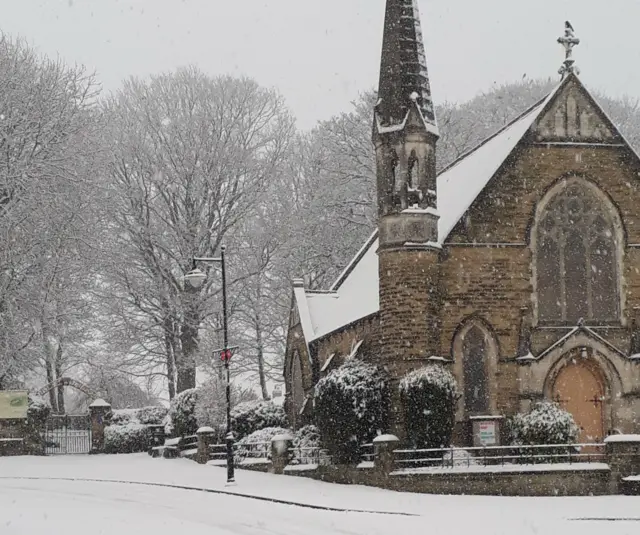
x,y
280,452
384,458
623,457
99,411
205,439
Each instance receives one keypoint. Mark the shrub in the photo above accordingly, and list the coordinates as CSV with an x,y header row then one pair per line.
x,y
351,406
306,443
546,423
247,418
128,438
258,443
145,416
151,415
428,397
182,413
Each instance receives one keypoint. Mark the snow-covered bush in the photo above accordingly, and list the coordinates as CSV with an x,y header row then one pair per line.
x,y
127,438
546,423
306,443
145,416
151,415
258,443
253,416
128,430
428,396
211,406
351,406
182,413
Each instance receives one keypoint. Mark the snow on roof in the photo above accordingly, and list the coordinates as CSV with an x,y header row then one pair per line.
x,y
461,182
355,294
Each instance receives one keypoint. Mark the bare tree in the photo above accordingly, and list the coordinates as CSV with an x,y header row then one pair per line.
x,y
48,133
191,154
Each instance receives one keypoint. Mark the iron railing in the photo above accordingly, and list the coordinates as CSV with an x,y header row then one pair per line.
x,y
500,456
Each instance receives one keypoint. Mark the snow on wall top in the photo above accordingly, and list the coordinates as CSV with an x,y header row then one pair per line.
x,y
355,294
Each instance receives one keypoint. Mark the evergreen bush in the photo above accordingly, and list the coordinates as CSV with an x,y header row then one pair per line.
x,y
351,407
182,413
252,416
428,397
128,438
546,423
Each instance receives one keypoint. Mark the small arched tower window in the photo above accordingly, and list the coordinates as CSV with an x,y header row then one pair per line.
x,y
297,387
577,267
474,371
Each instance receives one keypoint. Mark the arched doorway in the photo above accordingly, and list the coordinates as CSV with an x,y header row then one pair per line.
x,y
579,388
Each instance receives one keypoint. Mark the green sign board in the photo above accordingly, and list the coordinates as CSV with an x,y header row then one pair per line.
x,y
13,404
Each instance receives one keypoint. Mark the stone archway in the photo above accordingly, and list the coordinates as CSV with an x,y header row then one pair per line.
x,y
580,388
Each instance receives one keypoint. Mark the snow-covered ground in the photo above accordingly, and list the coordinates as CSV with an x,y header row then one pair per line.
x,y
76,495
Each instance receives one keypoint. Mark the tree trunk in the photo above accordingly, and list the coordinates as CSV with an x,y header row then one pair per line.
x,y
186,364
59,388
260,348
170,356
52,391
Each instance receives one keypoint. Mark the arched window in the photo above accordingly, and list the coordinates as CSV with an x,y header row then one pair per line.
x,y
297,388
576,258
474,371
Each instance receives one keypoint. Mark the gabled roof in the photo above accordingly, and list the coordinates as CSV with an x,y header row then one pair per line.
x,y
355,294
572,334
461,182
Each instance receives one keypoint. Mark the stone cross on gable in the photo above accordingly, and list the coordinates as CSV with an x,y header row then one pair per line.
x,y
568,41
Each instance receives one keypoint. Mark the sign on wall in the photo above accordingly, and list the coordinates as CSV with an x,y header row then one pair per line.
x,y
13,404
487,432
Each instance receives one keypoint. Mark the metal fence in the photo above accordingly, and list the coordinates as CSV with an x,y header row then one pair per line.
x,y
500,456
67,434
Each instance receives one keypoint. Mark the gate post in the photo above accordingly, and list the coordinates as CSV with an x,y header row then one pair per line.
x,y
98,411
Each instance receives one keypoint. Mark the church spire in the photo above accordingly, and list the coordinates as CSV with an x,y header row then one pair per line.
x,y
405,131
404,79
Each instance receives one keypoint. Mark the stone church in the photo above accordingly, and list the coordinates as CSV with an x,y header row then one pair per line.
x,y
517,266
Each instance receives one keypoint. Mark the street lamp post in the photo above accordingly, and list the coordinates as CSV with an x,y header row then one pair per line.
x,y
196,278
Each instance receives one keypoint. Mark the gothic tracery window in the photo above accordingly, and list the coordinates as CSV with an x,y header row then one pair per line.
x,y
474,370
577,268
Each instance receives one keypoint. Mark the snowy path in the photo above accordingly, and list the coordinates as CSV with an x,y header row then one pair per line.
x,y
46,505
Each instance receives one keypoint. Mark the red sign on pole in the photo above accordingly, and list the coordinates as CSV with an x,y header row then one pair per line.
x,y
225,355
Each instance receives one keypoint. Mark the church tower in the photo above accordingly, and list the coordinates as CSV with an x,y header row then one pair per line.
x,y
405,133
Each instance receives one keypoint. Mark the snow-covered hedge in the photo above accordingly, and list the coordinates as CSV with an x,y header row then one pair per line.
x,y
182,413
428,396
252,416
351,407
145,416
127,438
546,423
257,444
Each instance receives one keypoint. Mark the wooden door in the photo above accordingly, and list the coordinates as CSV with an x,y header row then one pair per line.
x,y
579,390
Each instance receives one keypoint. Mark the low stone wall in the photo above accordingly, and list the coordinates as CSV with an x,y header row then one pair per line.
x,y
582,480
622,458
585,481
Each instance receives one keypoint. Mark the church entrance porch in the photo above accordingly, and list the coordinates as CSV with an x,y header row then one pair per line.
x,y
579,388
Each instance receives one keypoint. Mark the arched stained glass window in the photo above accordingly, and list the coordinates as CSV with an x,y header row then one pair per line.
x,y
576,260
474,369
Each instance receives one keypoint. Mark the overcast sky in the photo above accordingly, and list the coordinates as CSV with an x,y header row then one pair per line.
x,y
320,54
